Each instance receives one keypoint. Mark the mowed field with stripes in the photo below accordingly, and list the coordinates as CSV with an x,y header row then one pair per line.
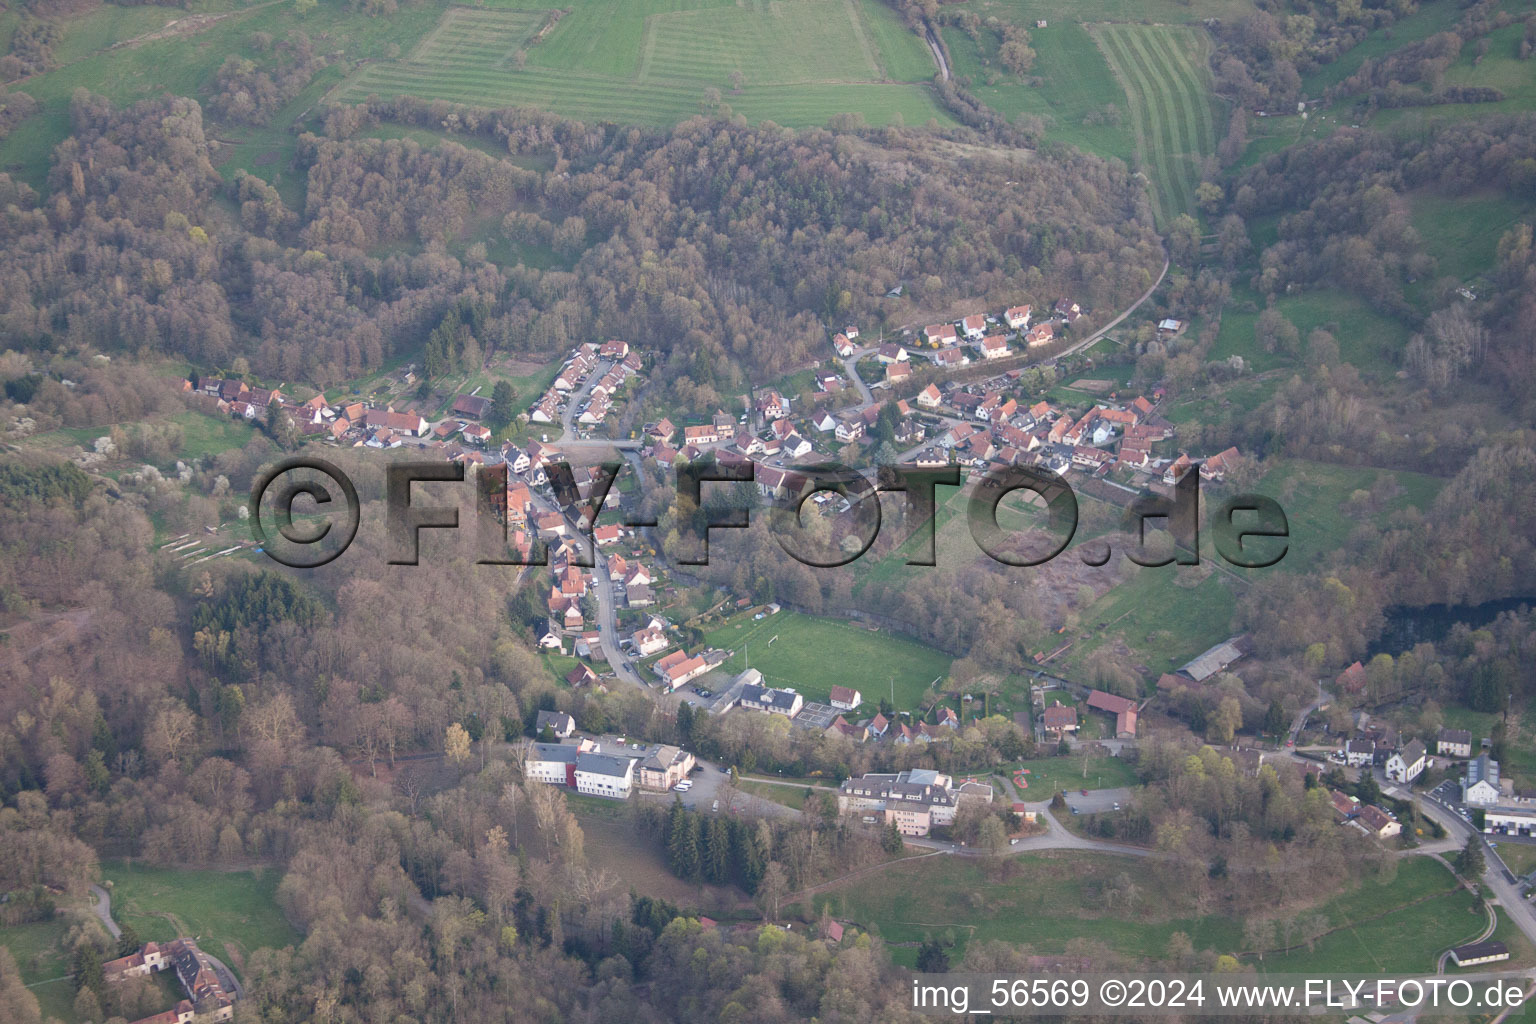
x,y
1164,69
651,61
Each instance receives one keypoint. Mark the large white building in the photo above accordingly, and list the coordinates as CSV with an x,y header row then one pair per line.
x,y
917,800
604,775
1481,786
553,763
1510,821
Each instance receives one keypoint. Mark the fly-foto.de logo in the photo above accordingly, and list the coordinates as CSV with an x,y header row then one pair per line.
x,y
1249,531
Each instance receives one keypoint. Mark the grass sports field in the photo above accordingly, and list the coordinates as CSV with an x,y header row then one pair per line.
x,y
232,913
1163,70
650,61
813,655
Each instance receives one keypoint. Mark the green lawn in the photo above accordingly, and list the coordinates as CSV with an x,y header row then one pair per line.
x,y
1049,774
1465,230
209,435
1518,857
650,61
1399,927
789,796
1368,341
1056,898
1051,901
1314,496
1163,69
38,949
1521,953
813,655
1079,96
185,65
231,913
1162,616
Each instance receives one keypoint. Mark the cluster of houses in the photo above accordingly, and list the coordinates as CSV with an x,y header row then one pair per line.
x,y
582,764
916,800
356,423
1060,720
612,364
1368,818
998,430
750,692
949,345
206,997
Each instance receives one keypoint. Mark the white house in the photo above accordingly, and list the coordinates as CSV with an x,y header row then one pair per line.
x,y
649,641
559,723
993,347
1017,317
974,326
604,775
940,334
929,397
776,702
795,446
845,698
1454,743
1359,753
1406,764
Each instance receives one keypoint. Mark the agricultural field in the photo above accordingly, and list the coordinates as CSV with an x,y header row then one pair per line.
x,y
232,913
1163,69
795,62
811,655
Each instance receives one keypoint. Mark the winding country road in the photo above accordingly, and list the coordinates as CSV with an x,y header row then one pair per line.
x,y
937,51
103,909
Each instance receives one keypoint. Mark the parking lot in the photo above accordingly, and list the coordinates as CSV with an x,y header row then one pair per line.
x,y
1099,800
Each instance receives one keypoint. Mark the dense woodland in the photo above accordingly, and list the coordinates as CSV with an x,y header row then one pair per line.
x,y
245,714
723,247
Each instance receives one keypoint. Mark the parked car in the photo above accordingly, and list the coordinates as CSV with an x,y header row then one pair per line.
x,y
684,786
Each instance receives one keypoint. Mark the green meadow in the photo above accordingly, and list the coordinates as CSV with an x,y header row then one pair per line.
x,y
812,655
